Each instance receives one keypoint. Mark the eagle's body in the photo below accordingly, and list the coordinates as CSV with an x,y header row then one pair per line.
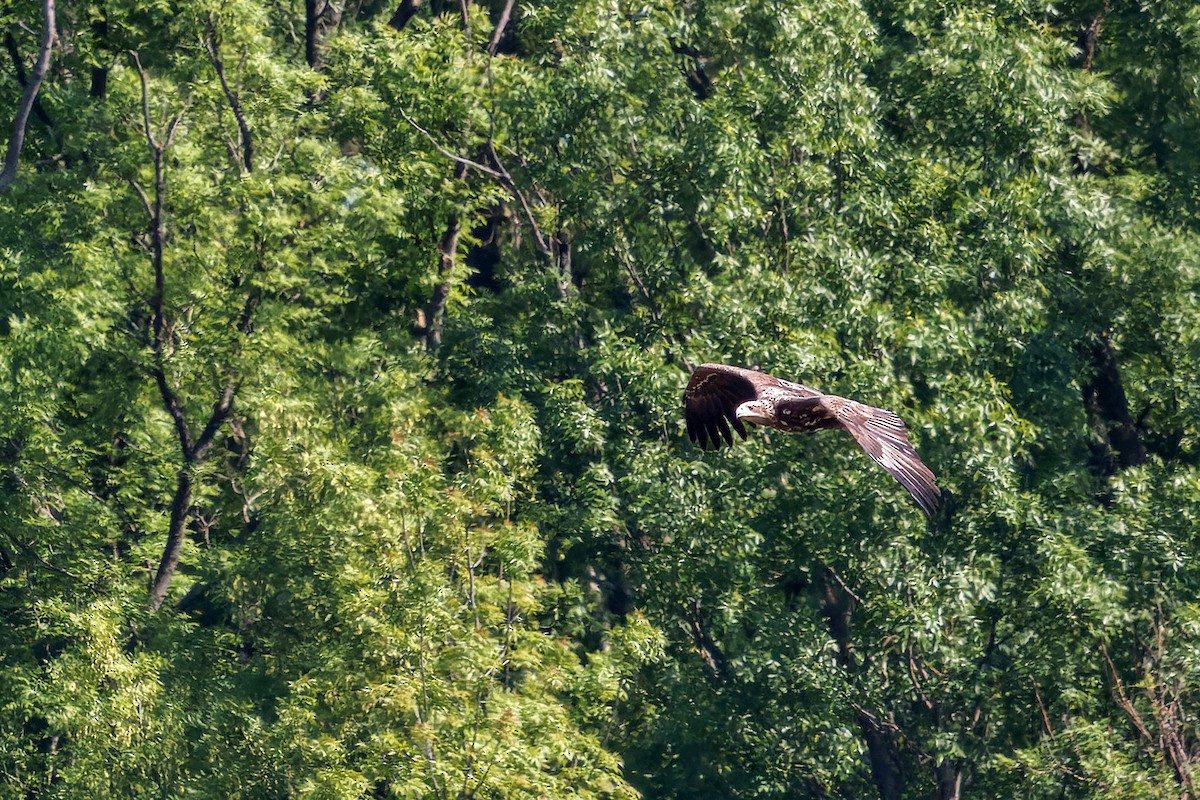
x,y
719,396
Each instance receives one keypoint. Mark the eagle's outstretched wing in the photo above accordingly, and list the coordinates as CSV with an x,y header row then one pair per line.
x,y
883,435
712,395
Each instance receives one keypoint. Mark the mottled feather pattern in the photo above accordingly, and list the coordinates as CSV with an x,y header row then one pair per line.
x,y
883,436
716,393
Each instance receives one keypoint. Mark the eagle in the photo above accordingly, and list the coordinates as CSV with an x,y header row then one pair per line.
x,y
719,396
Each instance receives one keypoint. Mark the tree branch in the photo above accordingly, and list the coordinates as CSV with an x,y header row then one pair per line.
x,y
141,193
435,312
507,182
195,451
214,54
99,85
501,175
155,206
319,17
19,68
181,504
448,154
465,15
312,18
1119,443
708,647
29,551
404,12
1123,699
173,407
501,25
40,67
220,412
1042,708
137,61
836,604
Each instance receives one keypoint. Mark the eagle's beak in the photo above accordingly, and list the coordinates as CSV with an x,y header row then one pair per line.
x,y
754,411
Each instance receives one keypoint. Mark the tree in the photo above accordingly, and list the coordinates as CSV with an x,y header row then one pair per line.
x,y
341,434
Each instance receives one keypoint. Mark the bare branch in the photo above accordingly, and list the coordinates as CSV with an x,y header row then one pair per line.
x,y
622,251
456,158
842,583
501,25
141,193
145,101
1042,708
40,67
23,80
173,125
1123,699
214,55
29,551
499,173
220,411
507,182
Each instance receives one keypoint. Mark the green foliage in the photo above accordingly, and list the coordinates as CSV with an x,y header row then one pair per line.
x,y
400,379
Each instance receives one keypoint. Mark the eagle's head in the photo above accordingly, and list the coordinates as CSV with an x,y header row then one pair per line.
x,y
760,412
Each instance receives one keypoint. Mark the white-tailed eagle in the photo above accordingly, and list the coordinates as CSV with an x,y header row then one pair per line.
x,y
720,396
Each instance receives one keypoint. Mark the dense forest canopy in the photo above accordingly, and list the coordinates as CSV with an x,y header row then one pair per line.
x,y
342,349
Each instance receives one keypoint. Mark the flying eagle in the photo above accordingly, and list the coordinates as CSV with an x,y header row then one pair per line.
x,y
719,396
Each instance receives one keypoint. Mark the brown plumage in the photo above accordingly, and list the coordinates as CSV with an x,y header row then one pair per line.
x,y
719,397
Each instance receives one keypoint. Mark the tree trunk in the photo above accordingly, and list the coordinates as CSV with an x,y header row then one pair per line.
x,y
404,12
1118,444
837,605
99,86
40,67
435,312
181,505
949,780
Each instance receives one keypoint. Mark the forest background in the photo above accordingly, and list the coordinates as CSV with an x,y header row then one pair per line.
x,y
342,346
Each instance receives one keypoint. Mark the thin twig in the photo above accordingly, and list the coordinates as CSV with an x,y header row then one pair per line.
x,y
457,158
912,675
508,183
499,173
845,588
141,193
622,253
1042,707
